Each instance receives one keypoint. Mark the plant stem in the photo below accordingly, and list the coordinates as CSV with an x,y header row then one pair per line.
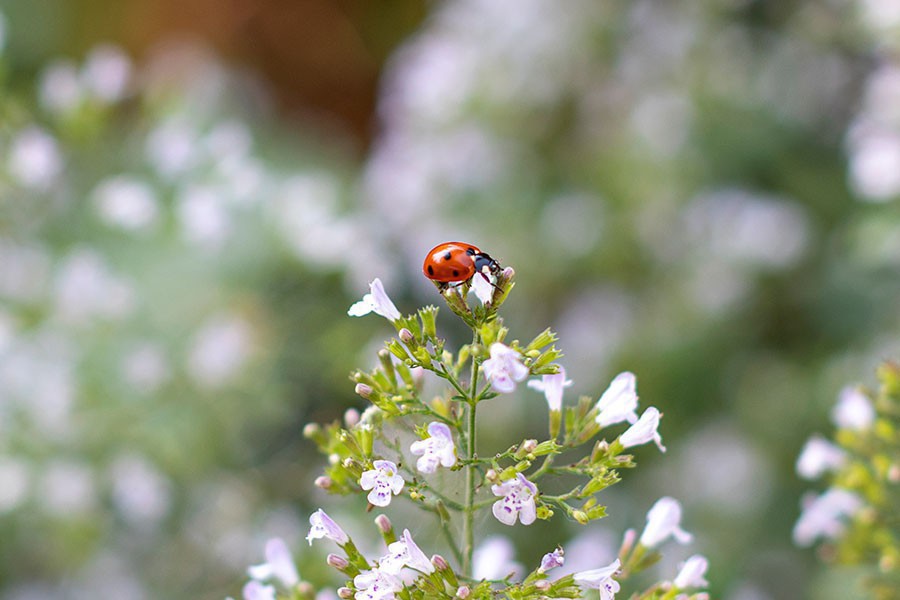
x,y
469,514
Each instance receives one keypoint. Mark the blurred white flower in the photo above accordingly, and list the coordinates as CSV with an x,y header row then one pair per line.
x,y
279,565
517,502
219,350
551,560
601,579
383,481
552,386
880,15
437,449
483,286
818,456
106,73
86,288
254,590
619,401
504,368
34,160
15,480
494,558
823,516
66,488
126,202
203,216
59,88
691,573
644,431
145,367
228,140
853,410
875,166
24,270
171,148
376,301
141,494
664,520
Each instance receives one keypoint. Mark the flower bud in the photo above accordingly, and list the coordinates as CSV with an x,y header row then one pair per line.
x,y
338,562
345,593
324,482
542,585
406,336
581,517
463,592
492,477
305,589
384,524
439,562
351,418
312,431
364,390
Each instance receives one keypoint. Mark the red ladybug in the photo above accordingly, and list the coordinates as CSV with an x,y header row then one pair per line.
x,y
453,262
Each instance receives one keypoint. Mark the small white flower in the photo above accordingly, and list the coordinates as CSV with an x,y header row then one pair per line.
x,y
504,368
34,159
551,560
600,579
818,456
383,480
691,573
437,449
255,590
376,301
376,585
482,286
126,202
279,565
664,520
619,402
405,553
853,410
59,89
822,517
494,558
106,73
518,501
552,386
645,430
321,525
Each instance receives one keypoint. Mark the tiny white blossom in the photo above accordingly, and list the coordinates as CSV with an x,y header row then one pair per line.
x,y
376,301
504,368
383,480
600,579
279,564
664,520
691,573
437,449
853,410
619,402
59,89
405,553
482,286
376,585
494,558
645,430
106,73
818,456
822,517
321,525
517,502
34,159
255,590
552,386
551,560
126,202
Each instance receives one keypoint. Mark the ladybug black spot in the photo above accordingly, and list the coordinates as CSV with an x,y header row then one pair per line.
x,y
455,273
470,251
430,270
448,256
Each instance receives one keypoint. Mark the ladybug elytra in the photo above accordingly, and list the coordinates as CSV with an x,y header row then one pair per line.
x,y
456,262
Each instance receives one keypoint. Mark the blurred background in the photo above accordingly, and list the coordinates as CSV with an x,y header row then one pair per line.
x,y
192,193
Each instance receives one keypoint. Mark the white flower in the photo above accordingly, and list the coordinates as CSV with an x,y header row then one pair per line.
x,y
691,573
494,558
383,480
279,564
853,410
126,202
504,368
600,579
438,449
376,585
645,430
518,501
822,516
321,525
551,560
818,456
34,159
106,73
552,386
405,553
482,286
663,520
376,301
619,402
255,590
59,89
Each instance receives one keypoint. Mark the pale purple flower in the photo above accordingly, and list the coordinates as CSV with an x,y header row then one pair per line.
x,y
383,480
619,402
437,449
518,501
376,301
551,560
405,553
376,585
822,516
818,456
645,430
494,558
504,368
691,573
664,520
321,525
552,386
853,410
601,579
279,564
255,590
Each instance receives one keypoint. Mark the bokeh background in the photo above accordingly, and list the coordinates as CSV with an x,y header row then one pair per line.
x,y
192,193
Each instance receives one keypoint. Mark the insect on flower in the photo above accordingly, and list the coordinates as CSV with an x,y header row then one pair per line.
x,y
457,262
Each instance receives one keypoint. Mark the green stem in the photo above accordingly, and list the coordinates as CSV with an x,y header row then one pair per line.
x,y
469,514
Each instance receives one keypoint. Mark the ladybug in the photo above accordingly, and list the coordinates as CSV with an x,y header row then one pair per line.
x,y
456,262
